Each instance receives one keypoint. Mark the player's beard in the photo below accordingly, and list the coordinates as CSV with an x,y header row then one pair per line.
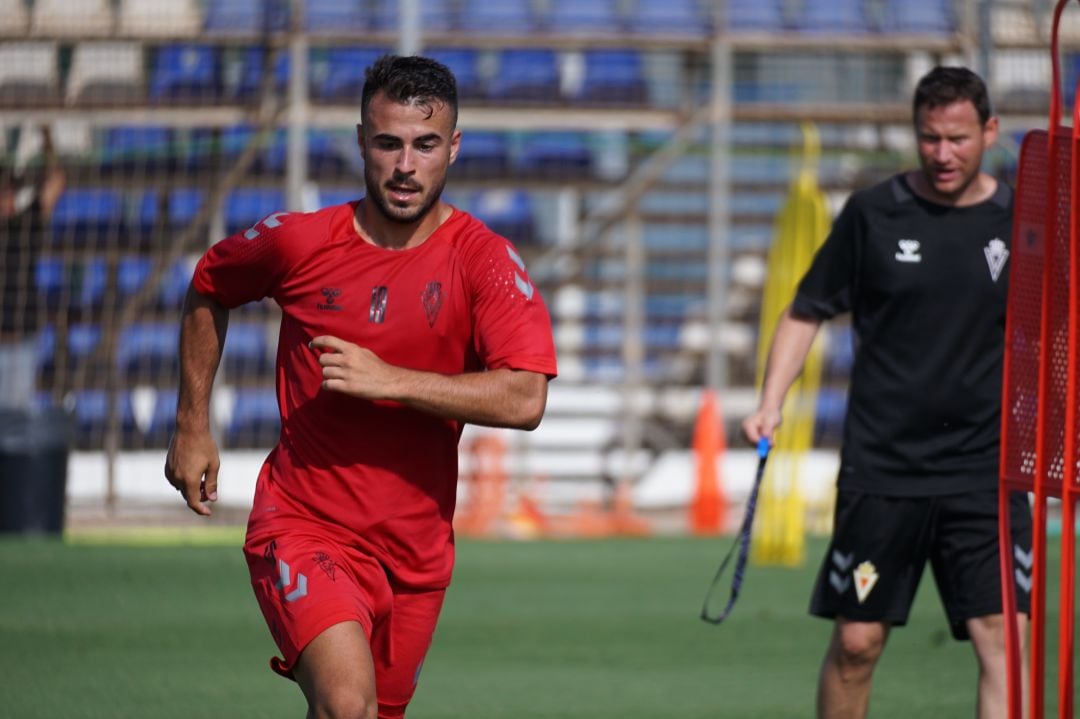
x,y
376,193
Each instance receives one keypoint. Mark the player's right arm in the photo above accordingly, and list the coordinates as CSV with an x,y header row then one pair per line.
x,y
192,463
787,355
244,267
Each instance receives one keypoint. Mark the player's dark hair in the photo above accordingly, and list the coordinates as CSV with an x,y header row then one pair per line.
x,y
946,85
411,79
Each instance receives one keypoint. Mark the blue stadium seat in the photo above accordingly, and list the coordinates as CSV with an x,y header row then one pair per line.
x,y
249,77
482,154
506,17
247,205
337,196
670,237
50,278
465,64
676,271
185,74
149,347
255,418
184,203
145,214
930,16
248,351
163,419
829,417
832,16
658,336
132,272
342,77
233,140
88,281
91,414
584,16
763,15
88,214
674,306
841,355
555,153
328,153
612,370
82,340
434,15
77,284
336,16
674,203
142,147
245,17
526,75
669,17
613,76
174,285
506,212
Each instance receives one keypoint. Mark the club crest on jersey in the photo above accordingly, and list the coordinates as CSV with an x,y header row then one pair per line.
x,y
330,294
432,299
909,251
997,254
379,297
866,577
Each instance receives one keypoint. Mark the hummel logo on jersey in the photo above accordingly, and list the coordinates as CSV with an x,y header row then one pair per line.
x,y
330,294
997,254
909,251
522,284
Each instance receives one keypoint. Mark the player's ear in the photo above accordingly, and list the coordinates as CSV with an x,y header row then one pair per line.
x,y
455,145
990,131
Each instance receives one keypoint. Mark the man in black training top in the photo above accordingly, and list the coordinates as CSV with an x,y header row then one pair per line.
x,y
921,262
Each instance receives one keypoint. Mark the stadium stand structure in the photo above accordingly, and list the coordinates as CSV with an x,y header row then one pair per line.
x,y
564,105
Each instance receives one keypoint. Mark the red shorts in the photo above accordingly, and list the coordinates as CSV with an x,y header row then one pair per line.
x,y
306,583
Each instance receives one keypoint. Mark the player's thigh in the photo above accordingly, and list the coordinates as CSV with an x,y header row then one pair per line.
x,y
875,559
336,672
399,646
966,557
306,583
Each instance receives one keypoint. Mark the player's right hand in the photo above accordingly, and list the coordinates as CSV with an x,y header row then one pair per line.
x,y
191,466
762,423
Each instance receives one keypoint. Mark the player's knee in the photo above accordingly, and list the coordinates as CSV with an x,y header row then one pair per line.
x,y
343,704
858,646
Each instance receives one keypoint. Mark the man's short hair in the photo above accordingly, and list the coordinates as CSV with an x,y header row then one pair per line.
x,y
411,79
946,85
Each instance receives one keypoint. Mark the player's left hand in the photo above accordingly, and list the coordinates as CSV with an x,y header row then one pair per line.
x,y
353,370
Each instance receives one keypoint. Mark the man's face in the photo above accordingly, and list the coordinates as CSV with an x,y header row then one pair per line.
x,y
951,141
407,149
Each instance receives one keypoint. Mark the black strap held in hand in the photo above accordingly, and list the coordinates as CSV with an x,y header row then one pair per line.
x,y
742,542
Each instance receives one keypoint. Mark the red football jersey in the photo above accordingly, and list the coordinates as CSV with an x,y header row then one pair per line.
x,y
377,474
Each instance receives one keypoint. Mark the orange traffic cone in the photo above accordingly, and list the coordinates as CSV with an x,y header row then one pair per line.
x,y
707,505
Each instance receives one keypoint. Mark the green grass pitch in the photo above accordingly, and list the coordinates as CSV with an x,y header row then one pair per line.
x,y
574,629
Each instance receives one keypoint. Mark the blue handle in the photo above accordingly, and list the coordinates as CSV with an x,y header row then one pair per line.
x,y
763,447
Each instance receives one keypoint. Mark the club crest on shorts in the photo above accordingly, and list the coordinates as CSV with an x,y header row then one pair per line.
x,y
866,577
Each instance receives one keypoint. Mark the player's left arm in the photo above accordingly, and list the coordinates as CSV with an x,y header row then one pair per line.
x,y
494,398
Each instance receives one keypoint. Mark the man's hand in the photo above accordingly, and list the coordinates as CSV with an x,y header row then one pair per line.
x,y
192,467
353,370
762,423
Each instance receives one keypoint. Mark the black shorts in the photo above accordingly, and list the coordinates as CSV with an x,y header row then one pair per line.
x,y
880,546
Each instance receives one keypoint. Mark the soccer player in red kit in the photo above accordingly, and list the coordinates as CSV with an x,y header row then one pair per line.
x,y
402,319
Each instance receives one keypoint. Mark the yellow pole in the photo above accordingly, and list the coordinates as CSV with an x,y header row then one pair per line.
x,y
801,227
